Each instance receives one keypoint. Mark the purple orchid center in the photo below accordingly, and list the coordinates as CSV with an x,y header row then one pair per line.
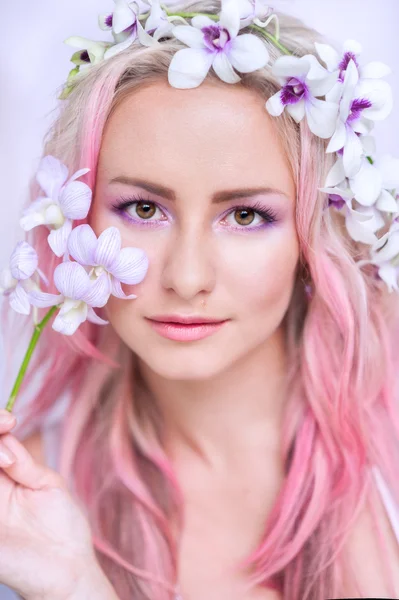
x,y
343,65
357,107
293,91
215,37
85,56
335,200
109,20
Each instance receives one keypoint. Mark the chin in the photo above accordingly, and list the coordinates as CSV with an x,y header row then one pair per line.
x,y
181,366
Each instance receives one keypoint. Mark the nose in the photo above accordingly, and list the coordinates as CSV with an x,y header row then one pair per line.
x,y
189,267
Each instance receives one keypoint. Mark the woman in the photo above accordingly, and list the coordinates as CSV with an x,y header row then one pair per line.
x,y
227,433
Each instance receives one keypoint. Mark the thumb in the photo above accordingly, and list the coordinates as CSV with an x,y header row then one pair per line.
x,y
26,471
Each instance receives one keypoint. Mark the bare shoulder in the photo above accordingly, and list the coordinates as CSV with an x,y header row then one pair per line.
x,y
370,563
35,446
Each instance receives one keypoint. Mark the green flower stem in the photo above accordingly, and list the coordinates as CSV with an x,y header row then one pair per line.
x,y
32,345
268,35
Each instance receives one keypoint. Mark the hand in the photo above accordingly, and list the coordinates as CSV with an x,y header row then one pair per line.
x,y
45,540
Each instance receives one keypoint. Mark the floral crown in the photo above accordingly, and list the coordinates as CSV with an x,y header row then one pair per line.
x,y
339,99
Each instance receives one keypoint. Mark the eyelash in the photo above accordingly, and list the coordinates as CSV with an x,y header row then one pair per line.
x,y
269,215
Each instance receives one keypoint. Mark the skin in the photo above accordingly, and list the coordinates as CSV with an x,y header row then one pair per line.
x,y
218,394
222,397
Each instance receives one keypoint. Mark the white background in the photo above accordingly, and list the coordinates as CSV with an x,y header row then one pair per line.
x,y
35,62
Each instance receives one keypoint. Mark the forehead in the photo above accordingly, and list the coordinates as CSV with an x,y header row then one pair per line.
x,y
216,136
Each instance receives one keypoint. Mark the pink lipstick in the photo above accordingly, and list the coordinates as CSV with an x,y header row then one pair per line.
x,y
184,328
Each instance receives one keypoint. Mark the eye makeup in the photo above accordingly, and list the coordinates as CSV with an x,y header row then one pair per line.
x,y
268,215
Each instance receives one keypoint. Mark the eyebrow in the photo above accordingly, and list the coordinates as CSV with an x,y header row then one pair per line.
x,y
217,197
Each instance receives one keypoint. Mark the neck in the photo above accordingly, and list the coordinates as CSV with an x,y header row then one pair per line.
x,y
232,414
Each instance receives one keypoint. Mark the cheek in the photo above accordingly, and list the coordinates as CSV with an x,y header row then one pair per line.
x,y
261,273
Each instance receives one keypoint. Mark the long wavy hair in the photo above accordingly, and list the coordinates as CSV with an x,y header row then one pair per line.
x,y
342,413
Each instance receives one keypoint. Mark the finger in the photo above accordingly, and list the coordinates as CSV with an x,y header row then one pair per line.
x,y
27,471
7,421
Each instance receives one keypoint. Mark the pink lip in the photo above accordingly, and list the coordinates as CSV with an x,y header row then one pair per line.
x,y
185,331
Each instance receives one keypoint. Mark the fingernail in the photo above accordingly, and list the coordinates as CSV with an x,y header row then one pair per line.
x,y
7,458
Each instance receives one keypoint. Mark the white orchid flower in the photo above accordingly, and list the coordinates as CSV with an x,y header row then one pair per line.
x,y
217,45
125,26
361,103
17,281
385,256
361,222
304,80
157,23
78,295
65,200
373,183
338,63
100,269
90,52
253,10
106,261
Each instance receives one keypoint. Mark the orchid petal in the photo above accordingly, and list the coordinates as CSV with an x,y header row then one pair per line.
x,y
34,214
7,281
19,300
94,318
297,111
78,174
23,261
191,36
103,20
329,55
58,238
120,47
360,230
323,85
367,184
43,277
353,151
82,244
200,21
43,300
131,266
348,90
389,274
390,249
189,67
69,322
338,140
230,17
248,53
274,105
75,200
116,290
352,46
379,93
321,117
375,70
336,174
291,66
99,291
108,247
145,38
369,146
386,202
223,68
123,16
71,280
51,176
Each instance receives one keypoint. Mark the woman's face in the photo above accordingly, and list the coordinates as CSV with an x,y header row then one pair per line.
x,y
212,204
